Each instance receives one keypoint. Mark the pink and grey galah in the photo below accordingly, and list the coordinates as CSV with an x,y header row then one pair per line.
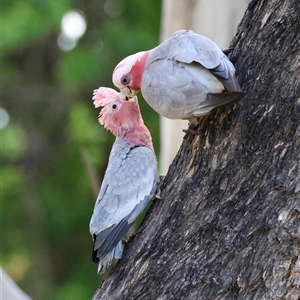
x,y
130,179
186,76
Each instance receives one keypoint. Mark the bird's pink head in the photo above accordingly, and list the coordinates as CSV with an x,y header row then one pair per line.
x,y
127,75
121,116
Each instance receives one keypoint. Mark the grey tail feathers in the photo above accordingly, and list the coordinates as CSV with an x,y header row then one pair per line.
x,y
222,99
106,260
217,100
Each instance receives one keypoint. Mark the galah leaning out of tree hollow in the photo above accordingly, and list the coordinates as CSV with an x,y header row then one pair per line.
x,y
130,179
186,76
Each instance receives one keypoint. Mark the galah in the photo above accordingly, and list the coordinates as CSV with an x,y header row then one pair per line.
x,y
130,179
186,76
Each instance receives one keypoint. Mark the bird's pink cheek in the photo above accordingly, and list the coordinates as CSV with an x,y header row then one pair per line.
x,y
116,118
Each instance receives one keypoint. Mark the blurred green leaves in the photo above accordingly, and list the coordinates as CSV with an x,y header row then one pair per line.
x,y
54,151
13,141
23,21
78,68
82,124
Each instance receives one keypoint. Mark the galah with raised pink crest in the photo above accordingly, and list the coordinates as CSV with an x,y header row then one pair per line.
x,y
130,179
186,76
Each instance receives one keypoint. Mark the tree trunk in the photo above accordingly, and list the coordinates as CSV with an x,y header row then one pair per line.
x,y
199,16
228,226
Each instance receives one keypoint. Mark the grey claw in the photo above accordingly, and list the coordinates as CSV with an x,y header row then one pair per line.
x,y
158,191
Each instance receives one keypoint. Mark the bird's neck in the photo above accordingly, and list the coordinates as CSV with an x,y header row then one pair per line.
x,y
138,136
138,69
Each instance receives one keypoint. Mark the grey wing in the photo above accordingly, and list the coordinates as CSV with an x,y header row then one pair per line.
x,y
127,188
187,47
175,90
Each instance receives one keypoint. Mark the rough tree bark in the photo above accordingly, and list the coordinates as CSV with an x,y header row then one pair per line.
x,y
228,226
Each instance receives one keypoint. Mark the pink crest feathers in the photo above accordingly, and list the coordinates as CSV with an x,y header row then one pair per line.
x,y
104,96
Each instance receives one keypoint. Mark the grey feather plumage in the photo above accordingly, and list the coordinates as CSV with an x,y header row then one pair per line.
x,y
128,186
182,71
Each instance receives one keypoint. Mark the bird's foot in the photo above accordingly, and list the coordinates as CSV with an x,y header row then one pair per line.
x,y
192,129
226,51
158,190
192,126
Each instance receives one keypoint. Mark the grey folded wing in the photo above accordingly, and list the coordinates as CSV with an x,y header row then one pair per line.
x,y
128,186
182,71
187,47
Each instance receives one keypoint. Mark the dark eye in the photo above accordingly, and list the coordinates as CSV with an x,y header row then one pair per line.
x,y
125,79
114,106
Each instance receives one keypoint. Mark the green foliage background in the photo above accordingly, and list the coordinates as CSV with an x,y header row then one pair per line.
x,y
53,145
